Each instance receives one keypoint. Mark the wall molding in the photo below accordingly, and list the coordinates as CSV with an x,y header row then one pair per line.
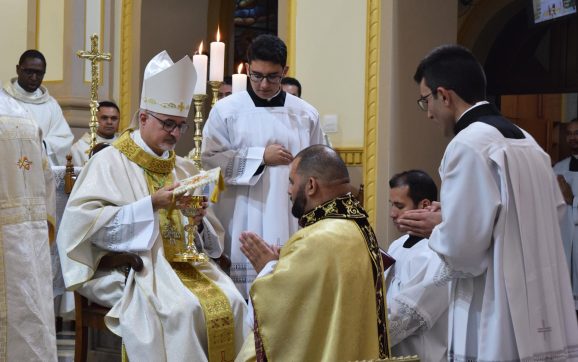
x,y
352,156
371,107
126,67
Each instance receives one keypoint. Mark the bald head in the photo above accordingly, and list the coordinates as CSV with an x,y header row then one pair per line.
x,y
323,163
317,175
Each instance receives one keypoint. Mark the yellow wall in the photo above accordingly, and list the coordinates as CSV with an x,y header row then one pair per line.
x,y
50,37
14,20
330,62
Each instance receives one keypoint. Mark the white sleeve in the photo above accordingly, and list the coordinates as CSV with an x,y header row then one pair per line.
x,y
134,228
238,165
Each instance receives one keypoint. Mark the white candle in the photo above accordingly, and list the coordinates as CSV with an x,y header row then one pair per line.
x,y
239,80
217,67
200,63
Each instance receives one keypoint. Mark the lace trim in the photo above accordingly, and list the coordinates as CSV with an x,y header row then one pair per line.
x,y
445,274
232,173
410,322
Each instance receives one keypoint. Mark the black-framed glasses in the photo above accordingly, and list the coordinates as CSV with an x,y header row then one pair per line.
x,y
169,125
274,78
31,72
422,102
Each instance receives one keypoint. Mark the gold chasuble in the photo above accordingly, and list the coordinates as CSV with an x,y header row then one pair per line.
x,y
325,300
215,304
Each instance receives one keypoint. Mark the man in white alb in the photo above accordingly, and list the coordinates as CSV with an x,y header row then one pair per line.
x,y
108,116
27,89
499,239
253,135
418,308
567,171
27,212
122,201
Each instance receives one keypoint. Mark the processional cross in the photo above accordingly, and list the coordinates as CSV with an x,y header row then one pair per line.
x,y
93,56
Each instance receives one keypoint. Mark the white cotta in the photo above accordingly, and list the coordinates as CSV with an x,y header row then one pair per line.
x,y
80,148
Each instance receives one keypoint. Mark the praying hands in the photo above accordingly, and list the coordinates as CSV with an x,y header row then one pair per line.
x,y
257,250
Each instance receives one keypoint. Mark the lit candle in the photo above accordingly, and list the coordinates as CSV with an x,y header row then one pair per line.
x,y
217,59
239,80
200,63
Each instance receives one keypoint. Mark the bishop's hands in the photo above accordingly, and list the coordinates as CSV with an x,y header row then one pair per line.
x,y
566,190
421,222
276,155
165,198
257,250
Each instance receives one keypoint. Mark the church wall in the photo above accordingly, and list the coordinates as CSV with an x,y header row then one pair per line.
x,y
330,63
406,139
13,21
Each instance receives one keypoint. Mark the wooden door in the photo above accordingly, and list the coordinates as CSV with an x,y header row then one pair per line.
x,y
539,115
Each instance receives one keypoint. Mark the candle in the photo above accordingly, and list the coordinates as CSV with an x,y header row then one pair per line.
x,y
239,80
217,59
200,63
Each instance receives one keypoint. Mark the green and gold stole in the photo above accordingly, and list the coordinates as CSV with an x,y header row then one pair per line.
x,y
215,304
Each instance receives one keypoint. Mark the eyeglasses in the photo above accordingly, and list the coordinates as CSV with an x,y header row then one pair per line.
x,y
30,72
271,78
169,125
422,102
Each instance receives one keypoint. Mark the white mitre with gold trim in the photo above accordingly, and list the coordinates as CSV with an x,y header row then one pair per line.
x,y
168,87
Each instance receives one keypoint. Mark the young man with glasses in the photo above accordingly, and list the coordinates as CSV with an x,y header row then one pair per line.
x,y
499,239
123,201
27,89
252,136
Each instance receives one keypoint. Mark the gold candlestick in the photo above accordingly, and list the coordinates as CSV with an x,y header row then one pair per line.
x,y
195,154
215,84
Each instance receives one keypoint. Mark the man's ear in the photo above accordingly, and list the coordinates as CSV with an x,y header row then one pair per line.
x,y
285,70
142,117
311,186
423,204
247,69
444,94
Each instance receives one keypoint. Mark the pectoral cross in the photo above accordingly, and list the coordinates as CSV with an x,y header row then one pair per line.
x,y
94,56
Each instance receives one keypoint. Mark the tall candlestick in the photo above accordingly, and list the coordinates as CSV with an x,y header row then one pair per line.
x,y
217,59
239,80
200,63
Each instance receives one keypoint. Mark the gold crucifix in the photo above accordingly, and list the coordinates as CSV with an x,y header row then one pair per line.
x,y
94,56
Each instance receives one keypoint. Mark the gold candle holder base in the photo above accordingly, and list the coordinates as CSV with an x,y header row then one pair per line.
x,y
195,154
198,258
215,84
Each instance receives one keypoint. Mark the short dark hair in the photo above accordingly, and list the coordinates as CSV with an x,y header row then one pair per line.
x,y
268,48
292,81
228,80
32,53
108,104
453,67
321,162
420,185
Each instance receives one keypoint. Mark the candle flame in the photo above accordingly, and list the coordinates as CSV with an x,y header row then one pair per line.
x,y
200,51
218,34
240,68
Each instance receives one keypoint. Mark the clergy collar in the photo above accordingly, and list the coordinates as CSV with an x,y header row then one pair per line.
x,y
411,241
473,113
277,100
16,91
36,94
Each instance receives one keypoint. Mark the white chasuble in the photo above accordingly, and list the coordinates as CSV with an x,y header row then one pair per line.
x,y
417,306
27,330
569,224
155,313
45,111
255,199
502,250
